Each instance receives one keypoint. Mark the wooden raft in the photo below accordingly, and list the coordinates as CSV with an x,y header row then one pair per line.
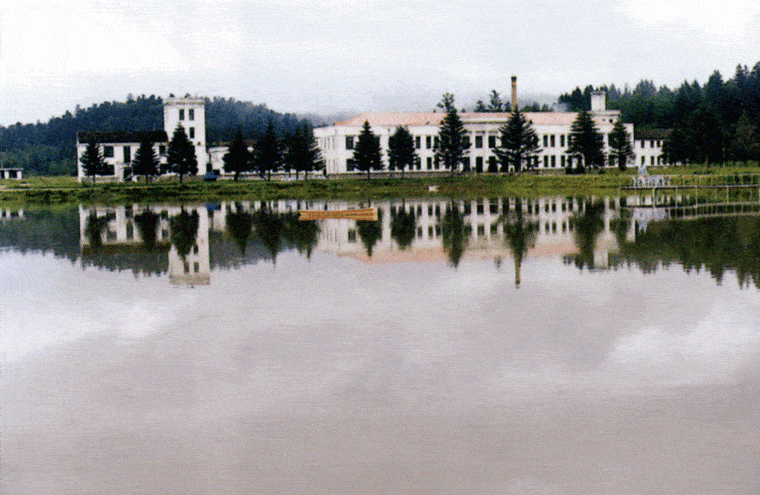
x,y
355,214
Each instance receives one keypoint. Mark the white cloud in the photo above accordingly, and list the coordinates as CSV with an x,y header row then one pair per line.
x,y
728,18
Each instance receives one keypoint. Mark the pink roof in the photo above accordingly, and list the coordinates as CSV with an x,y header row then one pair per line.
x,y
434,118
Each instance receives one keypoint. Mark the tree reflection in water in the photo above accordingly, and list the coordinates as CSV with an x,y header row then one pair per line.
x,y
370,232
183,229
455,234
95,227
403,225
239,226
520,236
147,226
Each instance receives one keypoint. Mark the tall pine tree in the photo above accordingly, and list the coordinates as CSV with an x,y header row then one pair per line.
x,y
519,142
146,161
367,153
401,152
181,154
620,145
452,143
586,142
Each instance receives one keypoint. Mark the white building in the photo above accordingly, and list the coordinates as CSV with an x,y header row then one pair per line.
x,y
119,148
553,129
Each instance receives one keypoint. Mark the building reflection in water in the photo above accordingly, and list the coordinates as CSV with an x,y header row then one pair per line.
x,y
580,231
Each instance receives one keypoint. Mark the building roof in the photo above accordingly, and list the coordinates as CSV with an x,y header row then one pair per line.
x,y
122,137
435,118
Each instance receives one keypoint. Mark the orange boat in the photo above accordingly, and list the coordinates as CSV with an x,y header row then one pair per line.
x,y
355,214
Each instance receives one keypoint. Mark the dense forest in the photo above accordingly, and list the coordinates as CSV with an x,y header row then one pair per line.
x,y
715,122
48,148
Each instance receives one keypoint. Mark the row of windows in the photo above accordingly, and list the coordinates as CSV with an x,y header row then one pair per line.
x,y
190,114
652,143
108,152
549,141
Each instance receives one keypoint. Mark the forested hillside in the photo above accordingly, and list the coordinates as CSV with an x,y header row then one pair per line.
x,y
48,148
714,122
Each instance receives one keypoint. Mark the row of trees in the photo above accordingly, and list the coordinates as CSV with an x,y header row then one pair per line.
x,y
517,151
48,148
180,158
711,123
297,152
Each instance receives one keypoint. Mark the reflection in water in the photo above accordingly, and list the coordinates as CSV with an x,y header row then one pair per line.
x,y
370,232
455,233
403,224
594,234
520,235
239,226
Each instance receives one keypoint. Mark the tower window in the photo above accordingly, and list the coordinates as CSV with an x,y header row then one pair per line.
x,y
191,114
181,114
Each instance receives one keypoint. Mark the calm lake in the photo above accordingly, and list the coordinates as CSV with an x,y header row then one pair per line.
x,y
496,346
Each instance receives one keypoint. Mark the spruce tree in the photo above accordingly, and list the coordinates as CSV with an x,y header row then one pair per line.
x,y
519,142
452,137
92,160
268,155
181,154
401,152
586,141
620,145
302,153
146,161
237,159
367,153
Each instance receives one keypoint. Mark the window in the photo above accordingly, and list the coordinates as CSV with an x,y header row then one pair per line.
x,y
191,114
192,133
491,141
196,267
554,160
479,164
127,154
546,160
428,142
562,140
349,142
643,160
429,163
107,151
181,114
546,141
417,142
466,142
551,140
562,161
478,141
651,160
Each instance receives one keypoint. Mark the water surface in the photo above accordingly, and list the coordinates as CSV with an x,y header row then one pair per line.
x,y
500,346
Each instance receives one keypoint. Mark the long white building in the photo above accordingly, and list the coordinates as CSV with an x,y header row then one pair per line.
x,y
119,148
553,129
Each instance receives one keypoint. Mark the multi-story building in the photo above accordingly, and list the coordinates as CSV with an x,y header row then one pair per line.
x,y
553,129
119,148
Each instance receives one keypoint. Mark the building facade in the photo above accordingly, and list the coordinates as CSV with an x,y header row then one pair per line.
x,y
553,129
119,148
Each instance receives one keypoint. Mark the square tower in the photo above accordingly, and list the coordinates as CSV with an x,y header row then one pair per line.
x,y
190,113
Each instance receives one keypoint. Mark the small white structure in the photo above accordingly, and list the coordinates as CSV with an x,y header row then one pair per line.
x,y
119,148
11,173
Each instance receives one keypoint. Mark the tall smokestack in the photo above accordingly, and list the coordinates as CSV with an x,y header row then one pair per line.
x,y
514,93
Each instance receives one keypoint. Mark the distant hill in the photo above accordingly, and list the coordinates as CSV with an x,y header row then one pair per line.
x,y
48,148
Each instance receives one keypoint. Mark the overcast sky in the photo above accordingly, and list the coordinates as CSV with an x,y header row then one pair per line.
x,y
326,56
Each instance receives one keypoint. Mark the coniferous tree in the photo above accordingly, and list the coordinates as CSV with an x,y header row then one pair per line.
x,y
452,144
237,159
620,145
586,141
302,153
92,160
401,152
519,142
181,157
367,153
268,154
146,161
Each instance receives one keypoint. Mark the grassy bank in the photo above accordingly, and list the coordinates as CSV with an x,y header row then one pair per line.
x,y
66,190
